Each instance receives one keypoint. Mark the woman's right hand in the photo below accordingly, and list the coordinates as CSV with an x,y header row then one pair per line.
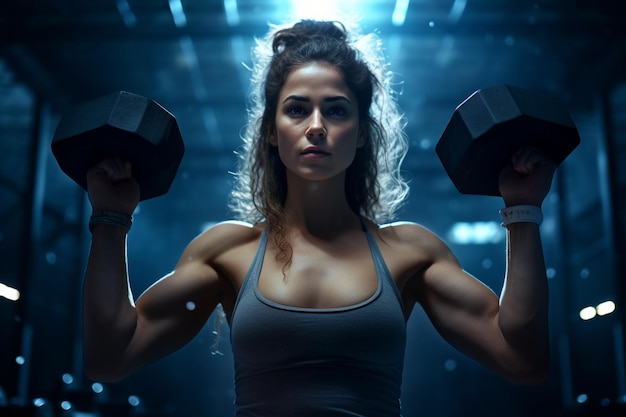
x,y
112,187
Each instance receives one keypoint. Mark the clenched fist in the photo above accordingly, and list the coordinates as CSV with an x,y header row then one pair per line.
x,y
111,186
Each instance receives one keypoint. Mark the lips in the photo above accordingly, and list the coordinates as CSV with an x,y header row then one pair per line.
x,y
314,151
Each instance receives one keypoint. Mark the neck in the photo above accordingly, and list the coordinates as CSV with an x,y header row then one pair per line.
x,y
319,208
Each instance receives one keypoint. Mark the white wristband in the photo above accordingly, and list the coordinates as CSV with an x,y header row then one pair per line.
x,y
521,214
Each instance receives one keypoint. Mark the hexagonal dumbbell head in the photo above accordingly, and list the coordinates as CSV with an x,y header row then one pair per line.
x,y
494,122
121,124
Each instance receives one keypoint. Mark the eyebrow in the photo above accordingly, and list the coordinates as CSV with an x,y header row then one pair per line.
x,y
326,100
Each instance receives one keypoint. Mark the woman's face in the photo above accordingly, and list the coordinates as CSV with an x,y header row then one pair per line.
x,y
317,123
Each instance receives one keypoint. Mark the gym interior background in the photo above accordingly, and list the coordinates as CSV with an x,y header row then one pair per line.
x,y
191,56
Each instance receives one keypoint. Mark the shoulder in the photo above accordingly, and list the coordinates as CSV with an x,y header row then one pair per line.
x,y
411,236
415,244
222,238
412,253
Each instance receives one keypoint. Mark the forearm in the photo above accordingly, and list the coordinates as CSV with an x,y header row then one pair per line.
x,y
523,314
108,312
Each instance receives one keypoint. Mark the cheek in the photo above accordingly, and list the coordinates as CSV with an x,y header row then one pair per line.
x,y
283,145
354,136
280,127
286,134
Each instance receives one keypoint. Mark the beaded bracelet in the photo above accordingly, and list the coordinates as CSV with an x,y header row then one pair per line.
x,y
113,218
521,214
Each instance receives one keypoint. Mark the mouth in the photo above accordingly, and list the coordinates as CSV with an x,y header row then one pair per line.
x,y
313,151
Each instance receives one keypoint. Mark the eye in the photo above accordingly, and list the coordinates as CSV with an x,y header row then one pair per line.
x,y
295,110
337,111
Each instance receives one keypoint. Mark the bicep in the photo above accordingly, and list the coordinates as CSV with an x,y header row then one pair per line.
x,y
172,311
462,309
450,294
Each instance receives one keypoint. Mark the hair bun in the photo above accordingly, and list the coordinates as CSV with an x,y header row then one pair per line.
x,y
307,31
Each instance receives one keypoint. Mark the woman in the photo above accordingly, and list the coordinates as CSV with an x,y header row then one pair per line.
x,y
316,292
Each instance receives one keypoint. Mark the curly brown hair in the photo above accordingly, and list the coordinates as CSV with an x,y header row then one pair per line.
x,y
374,186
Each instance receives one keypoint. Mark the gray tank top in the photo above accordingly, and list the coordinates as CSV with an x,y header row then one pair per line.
x,y
298,362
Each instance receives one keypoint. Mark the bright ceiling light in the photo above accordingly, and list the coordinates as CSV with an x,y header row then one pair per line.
x,y
326,9
457,10
477,233
399,12
9,293
178,14
587,313
601,309
605,308
232,12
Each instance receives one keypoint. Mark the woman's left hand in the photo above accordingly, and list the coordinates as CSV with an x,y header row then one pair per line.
x,y
527,178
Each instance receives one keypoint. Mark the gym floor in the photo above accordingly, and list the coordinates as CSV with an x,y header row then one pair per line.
x,y
191,56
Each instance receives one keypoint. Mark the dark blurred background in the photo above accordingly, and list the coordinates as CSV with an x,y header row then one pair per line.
x,y
190,56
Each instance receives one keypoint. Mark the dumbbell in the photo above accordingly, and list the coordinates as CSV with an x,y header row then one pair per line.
x,y
491,124
126,125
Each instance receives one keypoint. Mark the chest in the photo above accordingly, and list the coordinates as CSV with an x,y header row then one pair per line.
x,y
328,275
328,303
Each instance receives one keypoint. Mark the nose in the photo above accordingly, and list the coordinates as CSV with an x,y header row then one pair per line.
x,y
316,132
316,129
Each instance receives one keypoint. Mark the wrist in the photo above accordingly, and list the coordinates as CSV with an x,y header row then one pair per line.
x,y
511,202
110,218
522,213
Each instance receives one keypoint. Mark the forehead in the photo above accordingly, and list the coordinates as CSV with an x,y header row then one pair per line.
x,y
316,78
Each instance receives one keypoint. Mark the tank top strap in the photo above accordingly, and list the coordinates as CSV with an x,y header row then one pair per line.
x,y
381,267
252,277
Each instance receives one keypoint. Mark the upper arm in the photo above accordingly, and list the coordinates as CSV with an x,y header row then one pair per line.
x,y
174,309
462,309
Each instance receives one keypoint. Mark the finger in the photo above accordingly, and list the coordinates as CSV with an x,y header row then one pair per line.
x,y
528,158
115,168
127,169
519,161
121,169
